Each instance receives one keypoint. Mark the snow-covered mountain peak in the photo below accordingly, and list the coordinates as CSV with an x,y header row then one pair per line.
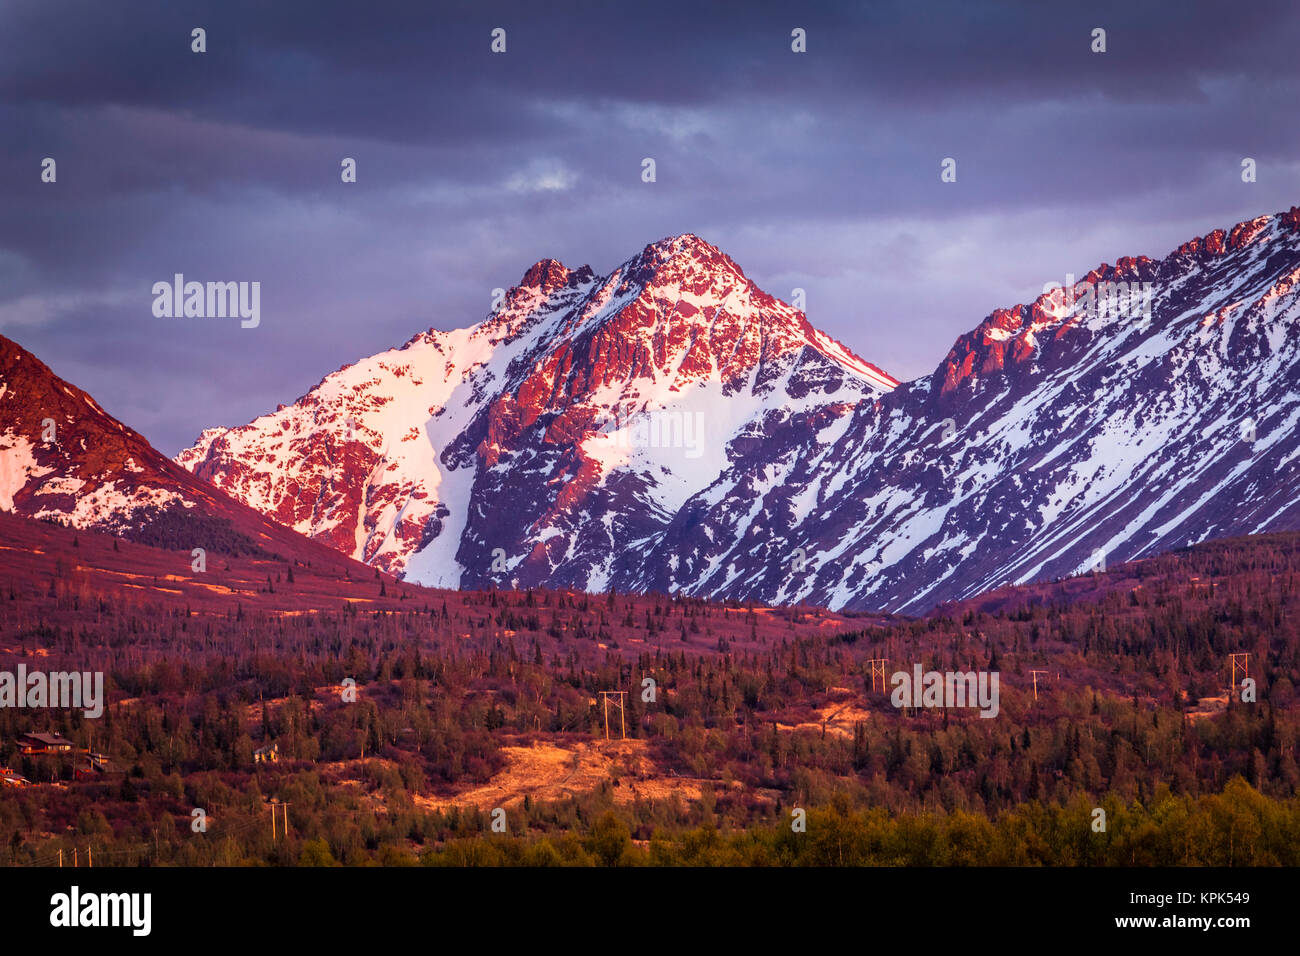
x,y
627,391
546,275
672,426
678,256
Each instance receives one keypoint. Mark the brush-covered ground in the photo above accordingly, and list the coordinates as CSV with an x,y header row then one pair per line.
x,y
416,726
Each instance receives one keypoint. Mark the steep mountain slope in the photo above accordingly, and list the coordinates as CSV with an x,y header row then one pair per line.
x,y
555,438
64,459
671,427
1054,436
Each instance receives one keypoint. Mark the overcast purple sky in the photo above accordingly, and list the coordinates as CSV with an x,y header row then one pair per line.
x,y
817,170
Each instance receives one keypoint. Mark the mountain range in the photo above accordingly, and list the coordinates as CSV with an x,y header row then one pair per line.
x,y
672,427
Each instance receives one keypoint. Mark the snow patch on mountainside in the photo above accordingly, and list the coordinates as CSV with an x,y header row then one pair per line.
x,y
17,466
672,427
623,395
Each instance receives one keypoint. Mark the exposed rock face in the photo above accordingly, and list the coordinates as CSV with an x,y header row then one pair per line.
x,y
673,427
539,444
1054,435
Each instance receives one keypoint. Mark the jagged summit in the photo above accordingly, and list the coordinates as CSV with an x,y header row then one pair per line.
x,y
395,458
676,256
672,427
548,275
1119,299
685,259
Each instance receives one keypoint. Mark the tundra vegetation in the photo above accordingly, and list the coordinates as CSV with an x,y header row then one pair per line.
x,y
755,713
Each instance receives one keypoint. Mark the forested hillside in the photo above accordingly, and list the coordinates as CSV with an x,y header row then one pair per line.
x,y
466,702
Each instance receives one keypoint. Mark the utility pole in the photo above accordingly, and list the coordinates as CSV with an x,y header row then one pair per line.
x,y
1036,673
273,804
617,696
878,667
1236,661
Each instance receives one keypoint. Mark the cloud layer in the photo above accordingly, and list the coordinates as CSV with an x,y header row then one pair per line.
x,y
817,170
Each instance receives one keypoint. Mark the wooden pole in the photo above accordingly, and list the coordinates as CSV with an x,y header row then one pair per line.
x,y
90,856
1244,664
878,668
1036,673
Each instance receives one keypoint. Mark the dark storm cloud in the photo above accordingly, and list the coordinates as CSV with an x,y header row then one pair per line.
x,y
816,170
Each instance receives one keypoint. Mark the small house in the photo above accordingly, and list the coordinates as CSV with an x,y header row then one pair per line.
x,y
97,764
269,753
10,778
30,745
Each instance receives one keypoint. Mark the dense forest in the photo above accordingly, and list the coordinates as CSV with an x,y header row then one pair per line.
x,y
761,737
